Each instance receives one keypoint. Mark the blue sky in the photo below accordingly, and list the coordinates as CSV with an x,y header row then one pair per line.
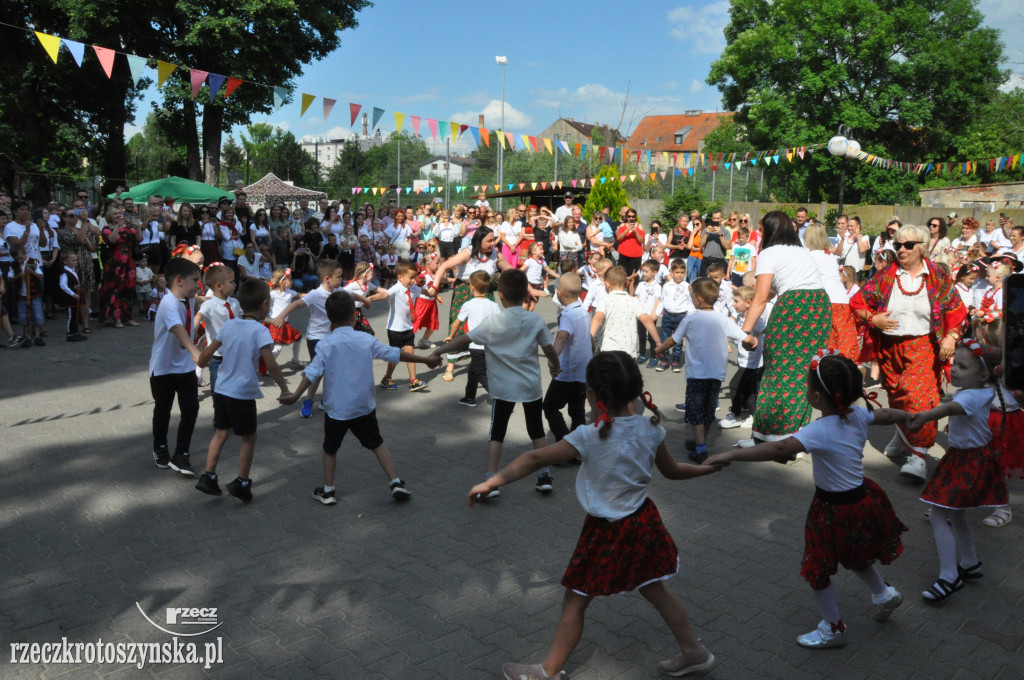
x,y
571,59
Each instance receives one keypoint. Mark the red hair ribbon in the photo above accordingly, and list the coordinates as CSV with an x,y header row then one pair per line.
x,y
873,398
603,416
821,354
212,265
648,401
183,250
287,273
974,346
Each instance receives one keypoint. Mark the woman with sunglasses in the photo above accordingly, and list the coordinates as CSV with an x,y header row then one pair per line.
x,y
209,234
937,240
916,314
631,239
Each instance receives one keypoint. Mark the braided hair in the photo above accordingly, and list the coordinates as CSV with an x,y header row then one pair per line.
x,y
840,380
992,338
616,381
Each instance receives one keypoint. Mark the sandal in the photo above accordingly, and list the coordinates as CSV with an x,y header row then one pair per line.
x,y
969,573
942,589
999,517
449,376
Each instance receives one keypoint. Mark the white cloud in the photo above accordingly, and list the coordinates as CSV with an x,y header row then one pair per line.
x,y
672,85
514,118
337,132
696,86
598,104
283,125
700,27
1001,15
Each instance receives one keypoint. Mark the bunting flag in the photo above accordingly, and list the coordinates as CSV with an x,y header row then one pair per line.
x,y
399,119
476,135
511,140
163,70
456,130
377,113
353,110
432,124
526,141
307,99
280,95
198,78
501,138
443,128
485,134
328,107
136,65
51,44
533,185
77,51
214,81
232,85
106,57
416,127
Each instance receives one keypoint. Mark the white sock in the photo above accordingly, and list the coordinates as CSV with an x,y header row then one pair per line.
x,y
964,538
396,480
277,350
828,604
873,580
884,596
328,489
945,543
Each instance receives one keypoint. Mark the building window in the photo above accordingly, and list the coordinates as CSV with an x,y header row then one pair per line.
x,y
433,166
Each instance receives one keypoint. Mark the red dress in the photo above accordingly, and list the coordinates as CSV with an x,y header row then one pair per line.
x,y
1008,441
425,315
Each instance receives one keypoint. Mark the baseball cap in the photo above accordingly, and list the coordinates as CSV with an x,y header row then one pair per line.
x,y
568,194
951,215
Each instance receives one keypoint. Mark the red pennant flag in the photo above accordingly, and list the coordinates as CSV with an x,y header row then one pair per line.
x,y
543,185
198,78
522,186
991,164
106,57
533,142
714,168
638,156
232,85
353,109
601,151
462,128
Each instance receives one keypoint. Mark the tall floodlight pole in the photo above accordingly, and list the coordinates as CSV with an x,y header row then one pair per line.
x,y
503,62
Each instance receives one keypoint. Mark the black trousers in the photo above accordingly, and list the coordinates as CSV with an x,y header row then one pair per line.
x,y
164,388
72,316
477,372
559,395
744,386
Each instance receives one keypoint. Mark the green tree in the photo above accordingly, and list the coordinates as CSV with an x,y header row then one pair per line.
x,y
151,154
688,196
610,194
270,149
901,73
345,173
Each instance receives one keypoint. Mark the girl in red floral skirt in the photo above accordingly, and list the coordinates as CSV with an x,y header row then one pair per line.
x,y
426,304
623,546
968,476
851,521
282,295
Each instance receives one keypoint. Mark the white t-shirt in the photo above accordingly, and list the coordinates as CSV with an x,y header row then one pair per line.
x,y
595,295
349,387
445,232
480,262
621,311
742,256
994,241
569,241
401,305
251,268
168,356
648,294
319,325
675,298
588,276
849,252
474,311
707,353
723,305
150,233
971,430
359,289
612,481
751,358
510,341
791,267
578,350
912,312
828,268
837,449
280,299
215,315
535,272
241,341
15,230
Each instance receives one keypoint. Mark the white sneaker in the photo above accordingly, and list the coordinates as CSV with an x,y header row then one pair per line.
x,y
915,468
894,449
747,422
745,443
729,421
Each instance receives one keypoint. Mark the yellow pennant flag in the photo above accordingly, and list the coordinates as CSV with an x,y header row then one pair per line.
x,y
664,157
455,130
497,187
789,156
501,138
399,119
375,191
51,43
163,70
632,178
307,99
526,142
547,145
533,185
1016,160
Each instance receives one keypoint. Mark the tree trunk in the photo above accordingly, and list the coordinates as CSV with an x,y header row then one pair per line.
x,y
195,169
213,119
113,158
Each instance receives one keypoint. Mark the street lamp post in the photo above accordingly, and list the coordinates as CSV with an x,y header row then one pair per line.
x,y
841,145
503,62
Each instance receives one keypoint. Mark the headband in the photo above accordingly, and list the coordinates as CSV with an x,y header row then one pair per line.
x,y
974,346
287,273
183,250
816,367
212,265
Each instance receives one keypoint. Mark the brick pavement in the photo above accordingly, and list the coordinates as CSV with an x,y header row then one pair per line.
x,y
430,588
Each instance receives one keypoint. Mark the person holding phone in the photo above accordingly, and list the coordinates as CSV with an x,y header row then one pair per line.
x,y
630,238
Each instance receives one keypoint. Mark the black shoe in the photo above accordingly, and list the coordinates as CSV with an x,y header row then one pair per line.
x,y
698,458
466,401
681,408
690,445
76,337
325,497
543,483
39,341
398,490
240,489
180,463
161,458
25,342
208,484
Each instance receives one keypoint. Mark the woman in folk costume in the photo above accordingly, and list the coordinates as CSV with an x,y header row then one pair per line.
x,y
918,313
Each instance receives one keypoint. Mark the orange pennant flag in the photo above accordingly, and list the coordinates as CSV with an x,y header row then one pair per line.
x,y
547,145
485,135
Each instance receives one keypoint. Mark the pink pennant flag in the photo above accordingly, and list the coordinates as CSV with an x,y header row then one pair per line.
x,y
353,110
106,57
574,184
622,178
543,185
522,186
415,125
432,124
511,140
198,78
328,107
663,174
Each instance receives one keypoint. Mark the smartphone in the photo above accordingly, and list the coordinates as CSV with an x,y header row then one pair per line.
x,y
1013,332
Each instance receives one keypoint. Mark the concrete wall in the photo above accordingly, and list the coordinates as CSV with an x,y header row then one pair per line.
x,y
988,197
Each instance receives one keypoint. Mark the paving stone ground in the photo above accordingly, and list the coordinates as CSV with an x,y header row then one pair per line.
x,y
93,534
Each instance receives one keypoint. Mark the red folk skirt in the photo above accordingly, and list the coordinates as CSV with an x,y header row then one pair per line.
x,y
966,478
426,315
843,335
362,324
910,377
1008,442
853,528
285,335
620,556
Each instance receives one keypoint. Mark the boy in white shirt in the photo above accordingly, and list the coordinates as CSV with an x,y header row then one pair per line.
x,y
218,308
658,255
675,305
616,315
716,272
344,360
706,332
510,340
243,340
471,314
143,283
575,349
648,292
329,273
172,366
598,290
746,381
401,312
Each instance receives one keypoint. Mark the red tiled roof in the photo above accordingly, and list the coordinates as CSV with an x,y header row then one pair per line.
x,y
651,128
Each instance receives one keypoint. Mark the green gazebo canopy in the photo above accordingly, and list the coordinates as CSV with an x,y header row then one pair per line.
x,y
179,188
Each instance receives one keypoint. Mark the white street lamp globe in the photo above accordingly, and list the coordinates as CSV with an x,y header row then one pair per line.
x,y
838,145
852,148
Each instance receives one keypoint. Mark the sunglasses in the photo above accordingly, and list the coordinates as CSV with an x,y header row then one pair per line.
x,y
744,221
906,245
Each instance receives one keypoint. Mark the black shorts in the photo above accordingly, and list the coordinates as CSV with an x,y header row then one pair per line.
x,y
364,428
448,249
237,415
701,400
311,347
630,264
401,339
501,411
